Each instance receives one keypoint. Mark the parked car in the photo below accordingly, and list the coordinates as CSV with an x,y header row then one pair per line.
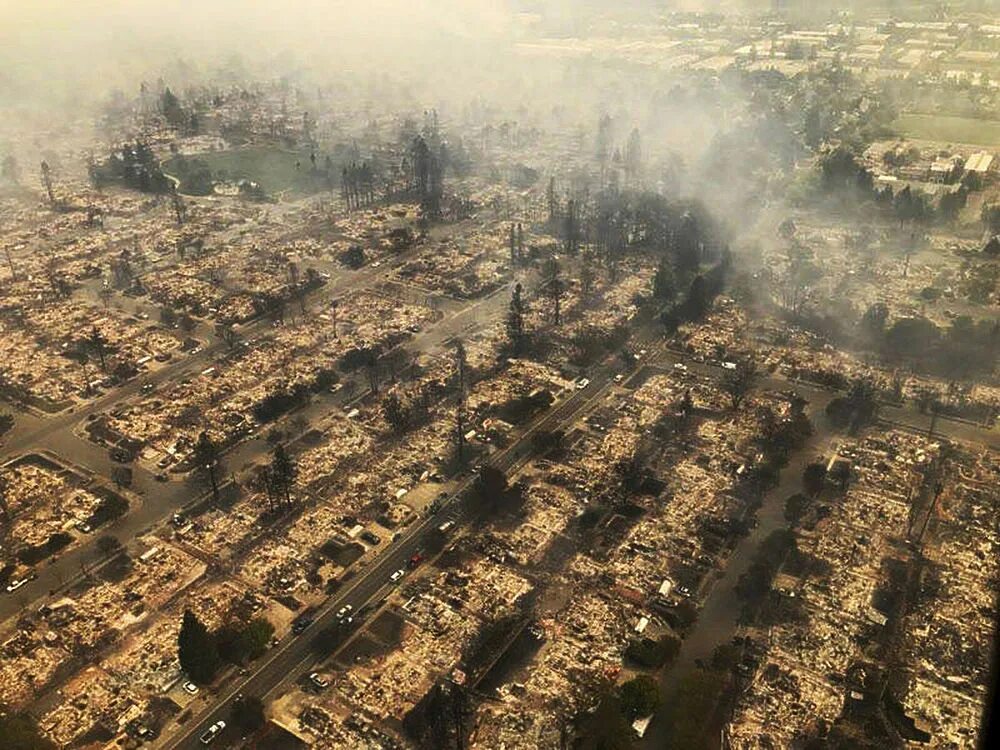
x,y
397,575
212,732
319,682
301,624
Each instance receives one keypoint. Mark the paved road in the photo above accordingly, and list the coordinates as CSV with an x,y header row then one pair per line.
x,y
294,656
57,434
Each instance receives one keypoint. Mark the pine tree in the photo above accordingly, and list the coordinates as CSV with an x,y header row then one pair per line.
x,y
196,649
515,320
285,471
47,181
663,283
206,457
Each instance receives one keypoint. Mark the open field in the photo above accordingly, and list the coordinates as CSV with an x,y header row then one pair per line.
x,y
275,169
950,129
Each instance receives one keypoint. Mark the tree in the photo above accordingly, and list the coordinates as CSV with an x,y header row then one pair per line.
x,y
180,210
738,382
587,273
109,546
515,321
653,654
689,709
238,645
606,728
796,506
96,342
664,289
687,244
491,484
284,471
555,289
991,217
633,154
395,413
874,320
186,322
227,333
248,713
551,200
171,108
255,637
196,649
814,478
207,458
857,409
461,367
263,481
168,317
912,337
639,697
47,181
572,228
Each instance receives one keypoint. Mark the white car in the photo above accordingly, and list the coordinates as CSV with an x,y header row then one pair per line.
x,y
376,264
619,378
397,575
681,367
212,732
582,383
190,688
728,365
319,681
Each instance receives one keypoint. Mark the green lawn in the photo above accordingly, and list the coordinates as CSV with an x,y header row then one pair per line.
x,y
273,168
949,129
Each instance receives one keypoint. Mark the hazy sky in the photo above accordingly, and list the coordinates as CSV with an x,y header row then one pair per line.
x,y
54,48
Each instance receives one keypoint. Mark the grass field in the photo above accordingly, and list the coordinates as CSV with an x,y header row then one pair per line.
x,y
949,129
273,168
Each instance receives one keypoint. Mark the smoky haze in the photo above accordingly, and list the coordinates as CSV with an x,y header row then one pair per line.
x,y
68,56
61,51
